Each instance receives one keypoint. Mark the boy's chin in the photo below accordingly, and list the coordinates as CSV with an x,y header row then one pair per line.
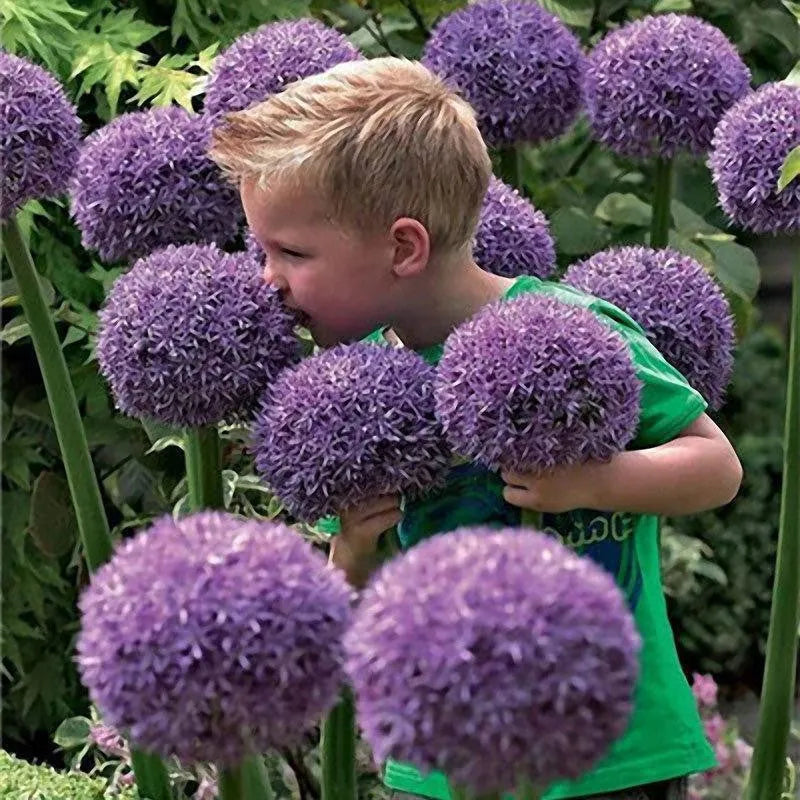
x,y
326,338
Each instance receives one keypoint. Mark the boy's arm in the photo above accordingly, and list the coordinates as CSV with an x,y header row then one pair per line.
x,y
696,471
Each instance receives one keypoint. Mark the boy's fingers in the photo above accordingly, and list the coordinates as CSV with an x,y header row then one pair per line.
x,y
373,506
514,478
520,497
382,522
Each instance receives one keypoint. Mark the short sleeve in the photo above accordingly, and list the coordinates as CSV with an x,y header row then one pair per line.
x,y
668,403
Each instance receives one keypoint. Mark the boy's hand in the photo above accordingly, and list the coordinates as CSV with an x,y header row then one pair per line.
x,y
355,548
557,490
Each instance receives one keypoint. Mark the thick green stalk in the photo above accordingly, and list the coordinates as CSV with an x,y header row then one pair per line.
x,y
152,778
204,468
777,692
662,197
531,519
248,781
509,166
83,486
339,751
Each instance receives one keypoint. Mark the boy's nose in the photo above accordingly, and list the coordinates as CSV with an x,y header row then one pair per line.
x,y
273,278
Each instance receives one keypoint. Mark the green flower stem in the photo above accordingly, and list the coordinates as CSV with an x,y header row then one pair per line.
x,y
204,468
85,491
662,197
531,519
249,781
509,166
152,778
777,692
339,751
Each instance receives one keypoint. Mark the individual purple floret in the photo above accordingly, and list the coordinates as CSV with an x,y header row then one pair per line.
x,y
513,237
39,134
144,181
351,423
263,62
493,655
191,336
533,383
750,145
683,312
660,84
213,637
517,64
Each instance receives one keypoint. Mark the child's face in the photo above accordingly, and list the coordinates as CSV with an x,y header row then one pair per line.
x,y
341,280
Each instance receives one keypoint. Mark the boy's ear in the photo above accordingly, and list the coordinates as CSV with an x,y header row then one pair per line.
x,y
412,247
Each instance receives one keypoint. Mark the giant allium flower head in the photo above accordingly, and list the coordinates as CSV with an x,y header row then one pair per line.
x,y
660,84
192,335
212,637
750,145
144,181
682,310
533,383
493,655
263,62
39,134
513,237
518,66
351,423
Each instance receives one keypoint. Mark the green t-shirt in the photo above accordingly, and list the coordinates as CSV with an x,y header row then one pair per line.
x,y
665,738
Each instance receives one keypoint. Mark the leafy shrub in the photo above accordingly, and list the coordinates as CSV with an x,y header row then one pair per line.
x,y
20,780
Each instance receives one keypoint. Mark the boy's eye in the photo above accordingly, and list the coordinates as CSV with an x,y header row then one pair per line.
x,y
292,253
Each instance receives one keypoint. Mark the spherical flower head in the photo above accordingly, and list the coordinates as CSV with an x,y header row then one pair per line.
x,y
191,336
518,66
681,308
533,383
513,237
348,424
212,637
39,134
265,61
750,145
660,84
493,655
144,181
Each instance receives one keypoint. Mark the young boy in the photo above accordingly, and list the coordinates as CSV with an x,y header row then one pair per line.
x,y
363,185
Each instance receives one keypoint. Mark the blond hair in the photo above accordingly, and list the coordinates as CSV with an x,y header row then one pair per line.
x,y
377,140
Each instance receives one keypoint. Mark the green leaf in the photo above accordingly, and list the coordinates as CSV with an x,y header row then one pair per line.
x,y
735,267
790,169
793,7
576,232
573,12
205,58
108,66
793,78
72,732
685,245
664,6
53,525
688,221
167,83
773,23
624,209
14,330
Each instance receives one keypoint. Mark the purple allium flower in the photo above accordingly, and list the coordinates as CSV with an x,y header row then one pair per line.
x,y
660,84
513,237
350,423
144,181
213,637
750,145
517,64
192,335
533,383
265,61
39,134
493,655
682,310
